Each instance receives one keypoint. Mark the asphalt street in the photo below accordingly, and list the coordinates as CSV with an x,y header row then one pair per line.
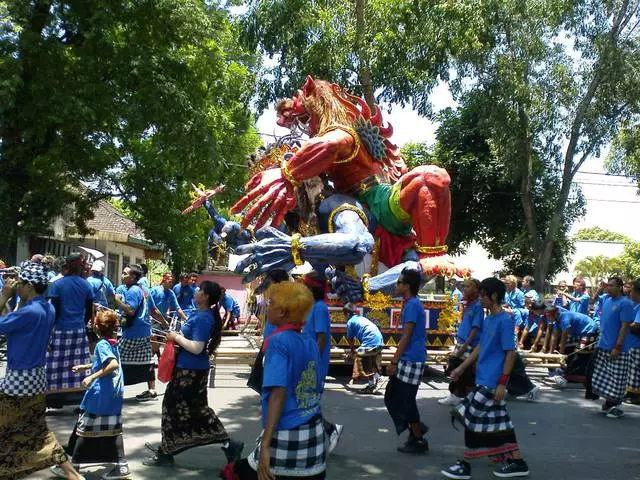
x,y
562,436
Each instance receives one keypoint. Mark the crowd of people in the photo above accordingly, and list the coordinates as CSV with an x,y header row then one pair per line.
x,y
74,338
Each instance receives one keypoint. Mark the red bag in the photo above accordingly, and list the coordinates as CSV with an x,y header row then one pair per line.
x,y
167,362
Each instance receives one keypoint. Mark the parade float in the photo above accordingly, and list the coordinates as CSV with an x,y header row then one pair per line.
x,y
336,196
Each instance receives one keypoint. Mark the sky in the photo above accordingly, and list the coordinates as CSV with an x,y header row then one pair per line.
x,y
612,201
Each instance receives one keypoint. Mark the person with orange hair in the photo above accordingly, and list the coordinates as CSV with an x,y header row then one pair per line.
x,y
97,436
291,444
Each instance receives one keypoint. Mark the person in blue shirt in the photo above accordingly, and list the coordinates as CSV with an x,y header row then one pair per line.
x,y
407,366
566,324
97,436
536,327
290,396
467,337
163,304
187,420
488,427
456,294
529,288
579,300
231,311
144,281
72,298
514,303
560,299
273,277
531,321
633,338
135,344
101,286
318,327
611,362
367,358
27,443
185,293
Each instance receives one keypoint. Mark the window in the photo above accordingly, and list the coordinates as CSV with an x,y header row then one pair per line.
x,y
113,268
139,261
126,261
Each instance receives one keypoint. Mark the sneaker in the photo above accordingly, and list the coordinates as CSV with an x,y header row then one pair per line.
x,y
450,399
560,382
146,396
334,438
233,451
368,389
513,468
533,395
159,460
414,446
615,412
59,472
119,471
461,470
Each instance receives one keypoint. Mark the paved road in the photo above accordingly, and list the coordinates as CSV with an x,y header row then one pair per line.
x,y
562,436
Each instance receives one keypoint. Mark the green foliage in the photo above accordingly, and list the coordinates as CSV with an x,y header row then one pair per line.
x,y
599,267
155,93
600,234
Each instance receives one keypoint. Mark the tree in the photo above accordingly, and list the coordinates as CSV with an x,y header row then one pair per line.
x,y
600,267
558,80
154,93
600,235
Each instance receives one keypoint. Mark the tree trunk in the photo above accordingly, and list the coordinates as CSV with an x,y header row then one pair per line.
x,y
364,72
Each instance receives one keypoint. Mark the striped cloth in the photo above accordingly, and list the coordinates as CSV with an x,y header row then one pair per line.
x,y
24,382
480,413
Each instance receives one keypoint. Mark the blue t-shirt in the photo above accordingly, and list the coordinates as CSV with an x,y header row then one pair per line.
x,y
597,307
28,330
135,297
581,305
104,396
185,295
533,295
533,321
73,292
291,360
575,323
514,299
473,316
230,305
318,321
413,312
163,300
496,341
365,331
198,327
614,312
102,288
144,283
632,339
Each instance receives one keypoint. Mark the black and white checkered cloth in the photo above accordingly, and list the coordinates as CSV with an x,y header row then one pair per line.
x,y
90,425
135,351
34,273
296,452
410,372
610,377
24,383
634,370
480,413
67,348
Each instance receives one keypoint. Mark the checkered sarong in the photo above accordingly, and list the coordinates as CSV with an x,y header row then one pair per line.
x,y
479,413
24,383
296,452
66,349
135,351
634,370
90,425
610,377
410,372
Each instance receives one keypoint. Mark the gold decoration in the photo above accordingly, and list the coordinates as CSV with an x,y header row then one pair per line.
x,y
350,270
375,257
380,318
378,301
336,316
448,316
435,249
343,342
391,342
306,230
288,175
350,131
342,208
296,246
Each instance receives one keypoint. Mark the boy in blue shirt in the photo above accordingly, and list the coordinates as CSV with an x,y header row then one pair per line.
x,y
611,363
407,366
456,294
231,311
633,389
368,356
514,303
185,292
467,337
579,300
529,288
102,287
488,427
